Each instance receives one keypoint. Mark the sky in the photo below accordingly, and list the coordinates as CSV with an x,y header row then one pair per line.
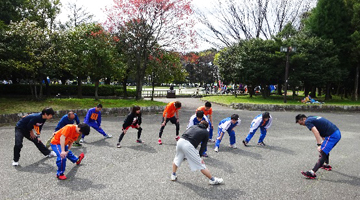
x,y
96,8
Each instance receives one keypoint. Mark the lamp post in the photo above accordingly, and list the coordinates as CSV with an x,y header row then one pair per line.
x,y
287,50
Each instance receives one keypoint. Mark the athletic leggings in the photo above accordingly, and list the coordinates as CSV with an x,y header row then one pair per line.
x,y
173,120
132,126
323,158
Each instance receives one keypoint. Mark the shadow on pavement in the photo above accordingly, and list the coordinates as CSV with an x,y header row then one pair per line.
x,y
241,152
354,180
78,184
39,167
101,142
143,147
279,149
214,192
215,163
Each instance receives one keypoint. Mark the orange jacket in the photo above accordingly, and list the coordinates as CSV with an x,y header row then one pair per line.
x,y
69,131
206,112
170,110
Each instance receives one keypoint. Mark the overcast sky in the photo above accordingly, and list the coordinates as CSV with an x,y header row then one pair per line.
x,y
96,8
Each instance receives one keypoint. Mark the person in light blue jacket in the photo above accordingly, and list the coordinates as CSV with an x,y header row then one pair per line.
x,y
262,121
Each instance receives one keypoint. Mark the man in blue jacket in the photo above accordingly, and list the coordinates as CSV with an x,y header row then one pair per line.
x,y
93,119
30,127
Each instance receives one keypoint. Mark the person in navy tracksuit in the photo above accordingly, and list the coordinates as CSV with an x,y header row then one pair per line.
x,y
327,136
195,120
30,127
262,121
227,124
93,119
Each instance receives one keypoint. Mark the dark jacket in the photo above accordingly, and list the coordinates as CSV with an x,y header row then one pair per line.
x,y
132,119
195,135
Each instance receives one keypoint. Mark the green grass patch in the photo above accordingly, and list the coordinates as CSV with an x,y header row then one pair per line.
x,y
21,105
276,99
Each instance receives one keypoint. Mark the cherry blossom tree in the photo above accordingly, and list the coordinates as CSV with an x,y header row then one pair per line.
x,y
148,23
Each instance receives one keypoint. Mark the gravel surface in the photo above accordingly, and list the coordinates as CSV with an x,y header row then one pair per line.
x,y
142,171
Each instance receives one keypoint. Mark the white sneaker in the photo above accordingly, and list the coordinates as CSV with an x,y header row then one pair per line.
x,y
82,140
15,163
216,181
108,136
118,145
173,177
216,149
233,146
51,154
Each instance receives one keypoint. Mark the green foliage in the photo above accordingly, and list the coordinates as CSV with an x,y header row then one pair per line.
x,y
66,90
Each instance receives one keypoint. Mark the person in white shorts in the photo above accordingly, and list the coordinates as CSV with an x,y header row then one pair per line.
x,y
186,148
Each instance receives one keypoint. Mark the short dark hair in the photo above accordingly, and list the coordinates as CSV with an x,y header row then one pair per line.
x,y
299,117
84,128
200,114
177,104
99,105
48,111
134,109
235,116
204,123
207,104
266,115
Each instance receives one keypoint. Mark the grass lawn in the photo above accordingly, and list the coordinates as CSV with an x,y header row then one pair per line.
x,y
22,105
276,99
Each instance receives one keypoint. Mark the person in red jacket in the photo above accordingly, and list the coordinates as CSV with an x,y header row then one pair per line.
x,y
169,113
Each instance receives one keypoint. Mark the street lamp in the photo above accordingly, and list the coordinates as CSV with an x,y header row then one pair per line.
x,y
287,50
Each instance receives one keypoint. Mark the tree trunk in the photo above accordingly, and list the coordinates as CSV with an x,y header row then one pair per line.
x,y
313,92
124,87
41,91
356,86
107,81
35,92
306,90
279,89
250,90
294,92
96,89
47,89
79,88
328,94
319,91
153,89
263,91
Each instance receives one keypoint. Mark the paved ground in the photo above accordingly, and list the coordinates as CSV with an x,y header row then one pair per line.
x,y
142,171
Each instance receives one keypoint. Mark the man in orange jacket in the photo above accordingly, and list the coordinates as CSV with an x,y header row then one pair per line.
x,y
169,115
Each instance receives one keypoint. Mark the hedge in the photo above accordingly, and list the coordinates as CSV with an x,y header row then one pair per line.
x,y
65,90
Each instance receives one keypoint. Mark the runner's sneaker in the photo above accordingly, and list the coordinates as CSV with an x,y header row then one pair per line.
x,y
15,163
211,140
118,145
82,155
205,155
108,136
76,144
261,144
233,146
216,149
139,141
309,174
51,154
61,177
216,181
160,143
245,143
177,138
82,140
326,167
173,177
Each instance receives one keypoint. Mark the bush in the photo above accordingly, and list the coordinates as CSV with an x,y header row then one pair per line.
x,y
65,90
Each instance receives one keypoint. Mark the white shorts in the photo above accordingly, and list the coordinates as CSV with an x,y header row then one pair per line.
x,y
184,149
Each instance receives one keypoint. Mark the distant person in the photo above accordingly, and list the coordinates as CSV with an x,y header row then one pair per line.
x,y
227,125
30,127
93,119
171,113
62,143
69,118
186,148
208,113
262,121
133,120
327,135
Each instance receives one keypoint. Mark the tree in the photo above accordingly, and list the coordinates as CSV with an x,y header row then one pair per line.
x,y
166,23
164,67
228,22
78,15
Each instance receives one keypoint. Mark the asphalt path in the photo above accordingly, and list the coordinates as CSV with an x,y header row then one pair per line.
x,y
142,171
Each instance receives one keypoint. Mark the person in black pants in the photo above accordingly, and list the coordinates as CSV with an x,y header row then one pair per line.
x,y
133,120
30,127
